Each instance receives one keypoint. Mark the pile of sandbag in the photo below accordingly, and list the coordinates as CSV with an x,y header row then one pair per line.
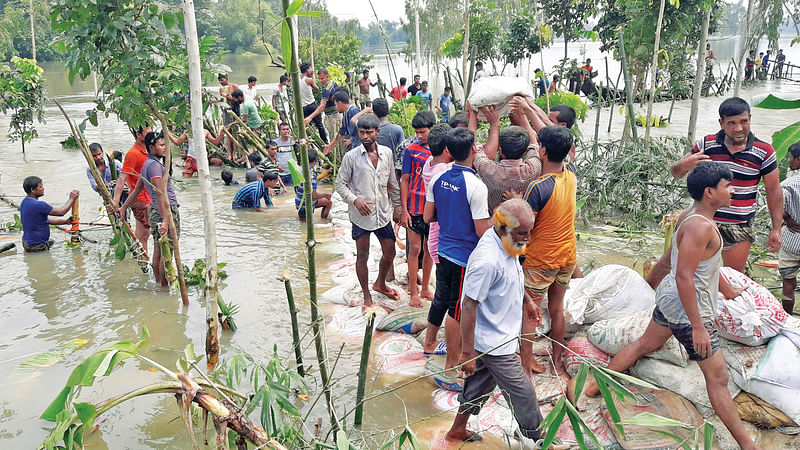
x,y
752,318
497,92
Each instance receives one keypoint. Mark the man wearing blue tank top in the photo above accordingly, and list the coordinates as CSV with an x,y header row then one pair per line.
x,y
686,299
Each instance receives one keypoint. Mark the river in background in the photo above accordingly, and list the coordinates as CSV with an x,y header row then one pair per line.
x,y
50,298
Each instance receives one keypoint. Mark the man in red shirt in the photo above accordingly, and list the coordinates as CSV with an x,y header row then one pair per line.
x,y
131,170
751,160
400,92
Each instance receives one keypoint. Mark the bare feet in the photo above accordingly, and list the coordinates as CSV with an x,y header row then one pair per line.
x,y
386,290
462,436
591,389
415,301
535,367
367,300
427,294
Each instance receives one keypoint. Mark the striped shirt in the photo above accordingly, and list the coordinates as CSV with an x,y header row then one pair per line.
x,y
414,159
299,201
748,167
250,195
507,174
791,205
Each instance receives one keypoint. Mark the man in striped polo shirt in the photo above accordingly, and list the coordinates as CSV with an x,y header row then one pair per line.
x,y
412,194
250,195
751,160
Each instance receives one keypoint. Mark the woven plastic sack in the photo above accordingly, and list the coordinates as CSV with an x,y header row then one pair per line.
x,y
613,335
607,292
406,319
580,346
398,354
751,318
435,365
497,91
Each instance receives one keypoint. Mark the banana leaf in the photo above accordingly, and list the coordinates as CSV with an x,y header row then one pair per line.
x,y
771,101
49,358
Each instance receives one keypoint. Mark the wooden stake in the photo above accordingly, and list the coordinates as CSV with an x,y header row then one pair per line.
x,y
362,368
651,97
75,231
698,75
298,353
628,87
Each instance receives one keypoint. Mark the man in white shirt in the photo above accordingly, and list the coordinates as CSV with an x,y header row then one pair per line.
x,y
495,311
250,91
366,181
479,72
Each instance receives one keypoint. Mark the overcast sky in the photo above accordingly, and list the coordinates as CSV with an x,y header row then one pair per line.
x,y
359,9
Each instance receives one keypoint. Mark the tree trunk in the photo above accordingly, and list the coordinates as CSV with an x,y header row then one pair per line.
x,y
419,53
465,57
628,89
317,322
206,201
743,50
653,77
698,75
33,34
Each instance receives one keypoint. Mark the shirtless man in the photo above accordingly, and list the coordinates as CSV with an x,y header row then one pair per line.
x,y
363,90
686,298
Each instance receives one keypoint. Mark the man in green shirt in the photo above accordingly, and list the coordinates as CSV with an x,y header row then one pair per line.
x,y
248,111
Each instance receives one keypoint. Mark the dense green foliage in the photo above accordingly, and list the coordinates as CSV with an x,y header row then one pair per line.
x,y
22,93
335,48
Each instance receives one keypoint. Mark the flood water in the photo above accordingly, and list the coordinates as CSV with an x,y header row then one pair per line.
x,y
50,298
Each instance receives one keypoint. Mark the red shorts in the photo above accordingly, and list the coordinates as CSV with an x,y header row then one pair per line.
x,y
190,167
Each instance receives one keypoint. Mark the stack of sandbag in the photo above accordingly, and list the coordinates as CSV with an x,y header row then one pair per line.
x,y
608,292
753,317
771,372
405,319
581,350
613,335
497,92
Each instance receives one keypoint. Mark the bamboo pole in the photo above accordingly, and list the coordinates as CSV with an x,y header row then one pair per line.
x,y
362,369
298,353
743,44
465,57
317,322
162,191
698,75
652,95
136,249
33,33
628,87
75,231
204,178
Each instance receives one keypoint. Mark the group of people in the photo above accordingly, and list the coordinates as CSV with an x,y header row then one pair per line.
x,y
442,104
757,67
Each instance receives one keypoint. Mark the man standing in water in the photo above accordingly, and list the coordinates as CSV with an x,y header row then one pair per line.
x,y
751,160
37,216
686,299
366,181
131,170
494,312
363,90
307,89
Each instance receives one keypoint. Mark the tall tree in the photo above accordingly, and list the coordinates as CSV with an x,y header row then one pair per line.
x,y
568,18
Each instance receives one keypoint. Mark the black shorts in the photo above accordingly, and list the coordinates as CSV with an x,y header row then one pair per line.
x,y
382,233
419,226
683,333
449,283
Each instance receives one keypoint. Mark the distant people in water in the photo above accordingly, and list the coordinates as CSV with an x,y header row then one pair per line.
x,y
227,178
37,216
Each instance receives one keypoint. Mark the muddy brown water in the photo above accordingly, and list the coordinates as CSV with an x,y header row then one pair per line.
x,y
49,298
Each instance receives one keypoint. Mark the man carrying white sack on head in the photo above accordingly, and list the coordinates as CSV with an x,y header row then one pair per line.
x,y
495,311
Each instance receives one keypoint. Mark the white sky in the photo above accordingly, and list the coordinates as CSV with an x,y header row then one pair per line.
x,y
359,9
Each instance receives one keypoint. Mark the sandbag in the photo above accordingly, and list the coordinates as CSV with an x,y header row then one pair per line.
x,y
406,319
754,410
775,377
580,346
497,91
549,388
608,292
662,403
751,318
613,335
439,335
398,354
495,416
351,322
688,381
435,365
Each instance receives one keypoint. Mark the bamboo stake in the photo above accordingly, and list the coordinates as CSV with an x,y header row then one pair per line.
x,y
628,87
75,231
362,369
162,191
699,75
136,249
316,321
252,134
204,178
652,95
298,353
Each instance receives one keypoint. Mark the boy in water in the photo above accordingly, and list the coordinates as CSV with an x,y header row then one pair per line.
x,y
686,299
37,216
319,199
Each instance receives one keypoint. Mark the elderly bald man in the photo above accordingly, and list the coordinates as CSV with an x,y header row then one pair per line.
x,y
495,310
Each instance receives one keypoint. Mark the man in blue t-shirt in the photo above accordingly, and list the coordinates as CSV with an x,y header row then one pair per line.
x,y
250,195
425,95
320,200
350,116
37,216
458,199
443,104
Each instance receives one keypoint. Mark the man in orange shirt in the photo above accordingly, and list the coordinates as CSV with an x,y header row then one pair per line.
x,y
131,169
552,249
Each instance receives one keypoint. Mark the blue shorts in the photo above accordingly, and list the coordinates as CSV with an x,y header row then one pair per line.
x,y
683,333
382,233
287,179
